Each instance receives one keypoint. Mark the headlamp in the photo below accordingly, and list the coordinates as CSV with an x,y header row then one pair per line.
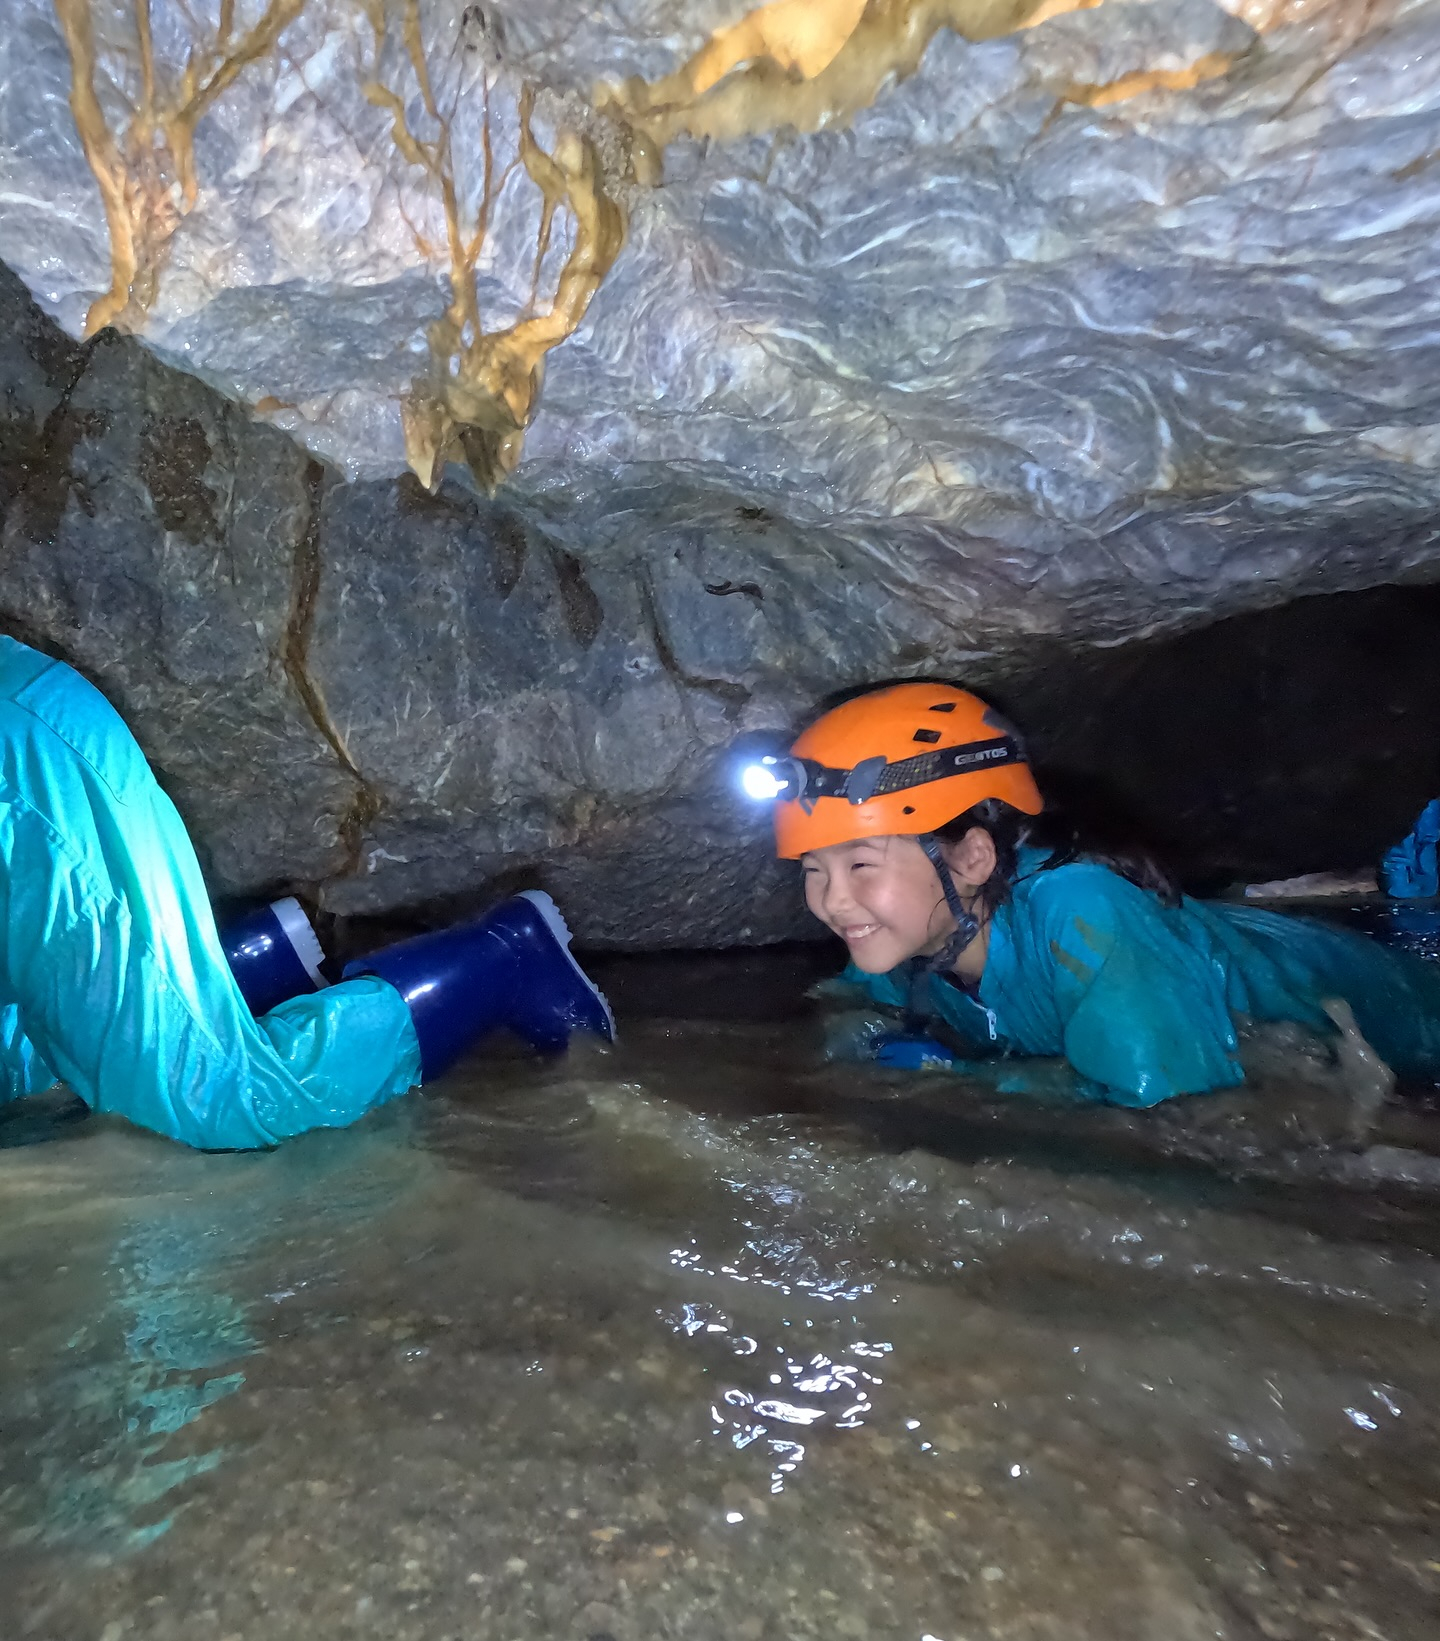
x,y
771,778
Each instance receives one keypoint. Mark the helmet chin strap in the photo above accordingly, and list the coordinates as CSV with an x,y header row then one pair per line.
x,y
967,925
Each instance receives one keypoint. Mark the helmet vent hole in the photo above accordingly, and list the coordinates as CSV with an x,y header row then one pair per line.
x,y
927,735
943,706
909,809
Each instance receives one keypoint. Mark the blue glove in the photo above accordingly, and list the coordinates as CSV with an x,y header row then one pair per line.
x,y
1411,871
902,1053
1051,1081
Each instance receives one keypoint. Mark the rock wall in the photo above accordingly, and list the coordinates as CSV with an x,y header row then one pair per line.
x,y
381,697
400,704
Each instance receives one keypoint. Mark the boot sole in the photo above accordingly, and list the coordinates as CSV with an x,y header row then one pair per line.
x,y
560,929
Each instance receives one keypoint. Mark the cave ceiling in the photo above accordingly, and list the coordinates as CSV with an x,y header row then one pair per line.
x,y
1036,320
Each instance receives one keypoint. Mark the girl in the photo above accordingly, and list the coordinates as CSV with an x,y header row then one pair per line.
x,y
918,825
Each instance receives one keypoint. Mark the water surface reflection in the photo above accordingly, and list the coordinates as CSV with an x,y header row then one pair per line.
x,y
697,1339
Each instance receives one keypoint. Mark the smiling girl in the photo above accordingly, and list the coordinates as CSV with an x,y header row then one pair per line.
x,y
920,832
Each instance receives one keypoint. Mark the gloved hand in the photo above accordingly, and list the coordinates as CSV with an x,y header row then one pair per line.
x,y
1411,870
903,1053
867,1035
851,1034
1050,1081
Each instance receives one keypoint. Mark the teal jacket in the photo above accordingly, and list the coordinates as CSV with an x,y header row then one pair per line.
x,y
1142,998
111,971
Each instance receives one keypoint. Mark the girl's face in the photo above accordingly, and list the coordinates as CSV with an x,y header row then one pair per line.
x,y
881,896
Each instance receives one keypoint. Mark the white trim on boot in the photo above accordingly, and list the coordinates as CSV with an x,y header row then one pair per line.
x,y
555,922
302,937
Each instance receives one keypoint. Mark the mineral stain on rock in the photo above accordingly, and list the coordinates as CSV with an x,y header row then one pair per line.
x,y
137,126
476,399
47,480
174,455
511,547
294,654
583,612
807,65
725,589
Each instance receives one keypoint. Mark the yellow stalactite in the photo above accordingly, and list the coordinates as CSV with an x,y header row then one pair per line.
x,y
146,173
479,394
1209,67
806,64
804,35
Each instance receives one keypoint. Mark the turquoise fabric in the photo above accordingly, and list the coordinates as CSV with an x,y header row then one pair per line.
x,y
111,973
1142,998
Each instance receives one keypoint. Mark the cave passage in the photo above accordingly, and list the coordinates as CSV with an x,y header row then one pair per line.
x,y
448,433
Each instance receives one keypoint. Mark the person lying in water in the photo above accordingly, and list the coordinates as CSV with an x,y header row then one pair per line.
x,y
921,837
114,978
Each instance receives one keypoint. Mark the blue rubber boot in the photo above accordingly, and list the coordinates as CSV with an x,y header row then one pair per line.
x,y
274,955
512,968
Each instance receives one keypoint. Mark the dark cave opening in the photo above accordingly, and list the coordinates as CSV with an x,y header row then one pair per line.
x,y
1298,739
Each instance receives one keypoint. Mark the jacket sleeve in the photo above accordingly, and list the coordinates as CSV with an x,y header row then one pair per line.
x,y
1139,1009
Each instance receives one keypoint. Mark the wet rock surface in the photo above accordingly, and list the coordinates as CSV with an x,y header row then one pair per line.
x,y
383,698
1078,324
696,1337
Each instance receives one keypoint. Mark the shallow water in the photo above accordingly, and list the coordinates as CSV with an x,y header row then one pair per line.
x,y
700,1338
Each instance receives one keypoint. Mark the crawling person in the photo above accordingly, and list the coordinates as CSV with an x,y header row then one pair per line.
x,y
114,977
986,930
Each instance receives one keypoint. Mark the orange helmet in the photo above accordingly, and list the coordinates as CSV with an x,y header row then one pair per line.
x,y
904,759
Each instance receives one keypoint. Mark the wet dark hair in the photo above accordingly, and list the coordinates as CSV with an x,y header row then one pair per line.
x,y
1066,840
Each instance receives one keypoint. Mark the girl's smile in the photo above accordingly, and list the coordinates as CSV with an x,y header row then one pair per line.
x,y
882,897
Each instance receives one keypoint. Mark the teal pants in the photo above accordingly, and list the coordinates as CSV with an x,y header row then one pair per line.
x,y
111,972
